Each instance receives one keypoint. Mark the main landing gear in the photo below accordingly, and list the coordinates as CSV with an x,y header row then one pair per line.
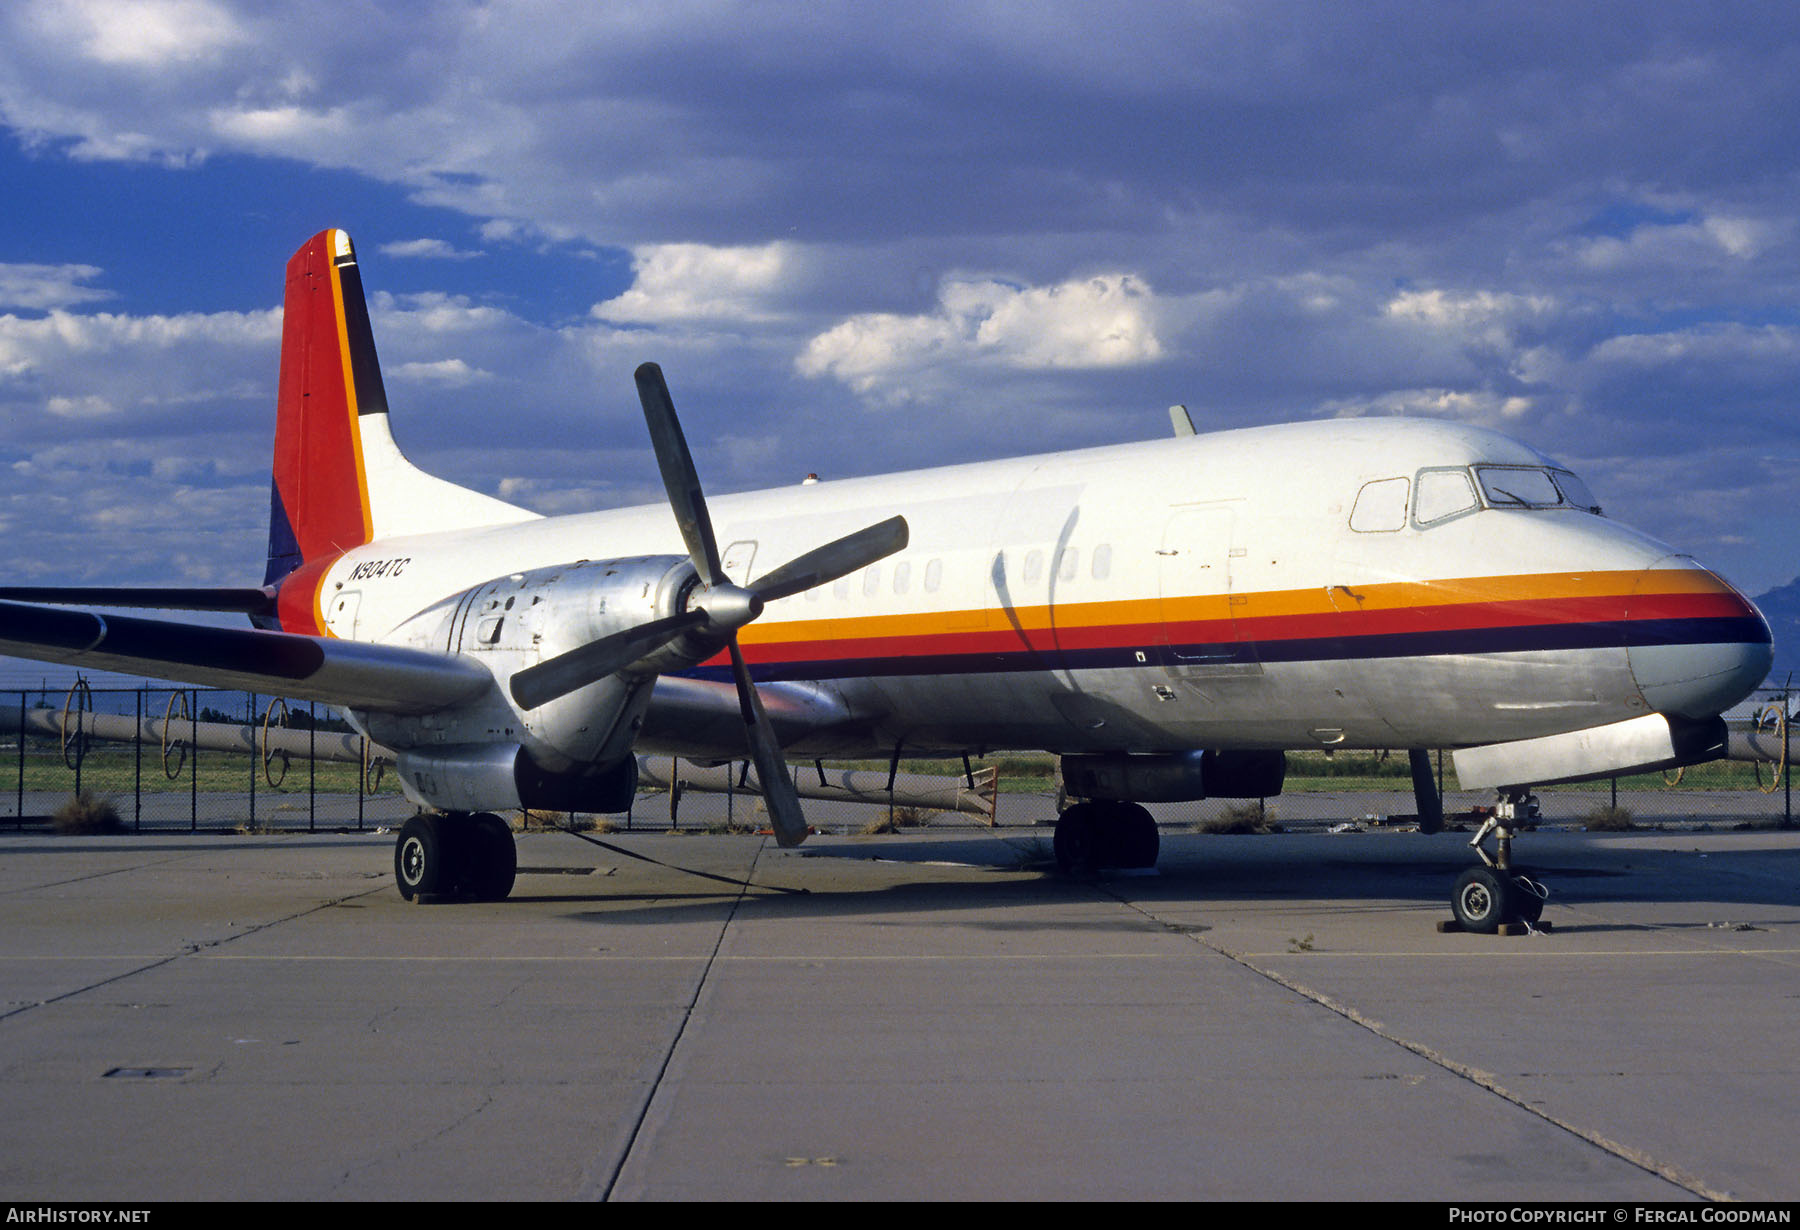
x,y
1105,833
455,855
1498,896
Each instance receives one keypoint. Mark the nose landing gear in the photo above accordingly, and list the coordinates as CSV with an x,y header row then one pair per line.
x,y
1498,897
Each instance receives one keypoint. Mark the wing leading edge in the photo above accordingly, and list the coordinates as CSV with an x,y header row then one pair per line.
x,y
241,600
350,674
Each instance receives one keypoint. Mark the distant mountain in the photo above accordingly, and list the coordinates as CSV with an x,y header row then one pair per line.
x,y
1782,607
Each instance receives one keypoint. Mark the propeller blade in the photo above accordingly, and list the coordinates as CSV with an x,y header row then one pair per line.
x,y
779,795
836,559
679,478
557,677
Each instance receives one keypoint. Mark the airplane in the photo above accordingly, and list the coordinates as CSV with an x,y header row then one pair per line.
x,y
1169,617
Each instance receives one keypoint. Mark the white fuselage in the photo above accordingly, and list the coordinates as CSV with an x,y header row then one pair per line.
x,y
1194,592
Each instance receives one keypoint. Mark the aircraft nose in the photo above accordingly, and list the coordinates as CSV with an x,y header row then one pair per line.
x,y
1703,645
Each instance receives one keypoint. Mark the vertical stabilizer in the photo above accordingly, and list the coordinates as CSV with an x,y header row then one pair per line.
x,y
339,479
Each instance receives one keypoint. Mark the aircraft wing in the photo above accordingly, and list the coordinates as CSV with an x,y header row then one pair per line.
x,y
351,674
243,600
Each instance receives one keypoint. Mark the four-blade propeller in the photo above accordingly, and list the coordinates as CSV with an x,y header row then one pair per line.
x,y
717,609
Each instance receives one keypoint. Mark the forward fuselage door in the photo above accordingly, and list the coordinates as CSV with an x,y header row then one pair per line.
x,y
1195,601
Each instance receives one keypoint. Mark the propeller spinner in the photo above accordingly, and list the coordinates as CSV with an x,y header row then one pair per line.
x,y
719,608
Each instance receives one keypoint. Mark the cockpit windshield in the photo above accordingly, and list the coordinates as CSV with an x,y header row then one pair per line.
x,y
1518,487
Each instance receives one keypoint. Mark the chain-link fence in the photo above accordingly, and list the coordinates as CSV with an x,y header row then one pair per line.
x,y
170,759
188,758
1375,788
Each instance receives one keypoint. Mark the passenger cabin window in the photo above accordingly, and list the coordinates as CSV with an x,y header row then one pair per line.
x,y
1034,566
934,574
902,577
1380,506
1443,494
1068,564
1102,561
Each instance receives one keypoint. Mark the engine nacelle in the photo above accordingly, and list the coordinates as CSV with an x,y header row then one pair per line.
x,y
1175,777
516,621
504,777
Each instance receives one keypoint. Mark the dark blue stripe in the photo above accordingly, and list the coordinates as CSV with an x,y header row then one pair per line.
x,y
1614,634
284,547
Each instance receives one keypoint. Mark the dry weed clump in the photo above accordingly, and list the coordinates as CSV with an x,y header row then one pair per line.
x,y
579,822
87,814
1609,820
900,818
1243,818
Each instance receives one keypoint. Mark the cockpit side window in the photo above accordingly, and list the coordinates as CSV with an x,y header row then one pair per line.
x,y
1381,506
1518,487
1576,492
1443,495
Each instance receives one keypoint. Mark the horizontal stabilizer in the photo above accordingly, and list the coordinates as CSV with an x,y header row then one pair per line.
x,y
387,678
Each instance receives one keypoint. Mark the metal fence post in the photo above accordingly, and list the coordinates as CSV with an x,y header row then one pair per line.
x,y
194,760
20,814
312,766
255,759
137,769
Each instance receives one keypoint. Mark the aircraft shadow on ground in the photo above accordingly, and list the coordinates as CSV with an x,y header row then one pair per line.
x,y
1198,870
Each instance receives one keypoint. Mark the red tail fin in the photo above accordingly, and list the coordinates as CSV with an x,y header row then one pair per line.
x,y
319,505
340,481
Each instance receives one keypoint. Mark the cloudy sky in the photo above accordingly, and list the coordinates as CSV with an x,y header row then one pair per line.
x,y
859,239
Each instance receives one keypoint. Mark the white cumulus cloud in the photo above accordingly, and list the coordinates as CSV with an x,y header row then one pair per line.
x,y
1480,406
1698,244
88,407
139,33
1465,309
452,372
426,249
41,287
699,282
432,312
1108,320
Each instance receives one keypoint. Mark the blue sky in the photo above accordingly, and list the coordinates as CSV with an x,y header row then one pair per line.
x,y
861,240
